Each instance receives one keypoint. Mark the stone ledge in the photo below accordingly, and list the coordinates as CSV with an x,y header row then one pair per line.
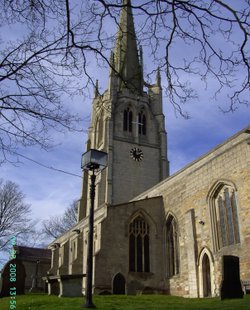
x,y
65,285
63,276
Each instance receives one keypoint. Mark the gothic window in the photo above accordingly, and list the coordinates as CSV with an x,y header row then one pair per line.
x,y
172,247
127,120
139,245
226,226
61,255
142,126
74,249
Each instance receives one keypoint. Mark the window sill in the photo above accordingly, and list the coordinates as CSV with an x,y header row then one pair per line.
x,y
142,275
227,250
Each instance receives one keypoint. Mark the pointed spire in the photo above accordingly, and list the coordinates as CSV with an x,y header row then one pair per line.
x,y
126,53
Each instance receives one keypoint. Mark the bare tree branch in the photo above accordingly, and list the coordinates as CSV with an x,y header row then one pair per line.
x,y
57,225
14,214
59,41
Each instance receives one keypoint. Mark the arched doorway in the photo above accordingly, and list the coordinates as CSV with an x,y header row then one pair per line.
x,y
206,275
119,284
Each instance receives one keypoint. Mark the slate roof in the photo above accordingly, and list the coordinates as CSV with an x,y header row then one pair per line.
x,y
28,253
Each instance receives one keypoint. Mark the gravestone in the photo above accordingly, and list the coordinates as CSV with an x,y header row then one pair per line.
x,y
13,276
231,284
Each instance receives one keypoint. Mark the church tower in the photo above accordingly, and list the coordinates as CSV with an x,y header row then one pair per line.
x,y
127,123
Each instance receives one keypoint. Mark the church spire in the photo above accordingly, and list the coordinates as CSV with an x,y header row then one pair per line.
x,y
127,62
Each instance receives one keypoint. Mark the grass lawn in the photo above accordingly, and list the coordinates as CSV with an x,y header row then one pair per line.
x,y
116,302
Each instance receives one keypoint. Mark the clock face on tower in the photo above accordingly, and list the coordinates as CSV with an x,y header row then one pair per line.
x,y
136,154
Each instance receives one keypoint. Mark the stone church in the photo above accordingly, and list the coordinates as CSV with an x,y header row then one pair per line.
x,y
153,232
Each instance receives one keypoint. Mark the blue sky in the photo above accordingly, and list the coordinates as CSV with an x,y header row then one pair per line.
x,y
50,192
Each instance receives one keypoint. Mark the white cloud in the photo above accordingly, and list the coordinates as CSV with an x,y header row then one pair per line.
x,y
208,127
51,192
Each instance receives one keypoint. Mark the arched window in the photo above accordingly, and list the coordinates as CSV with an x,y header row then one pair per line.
x,y
61,255
127,120
139,245
142,126
172,247
225,216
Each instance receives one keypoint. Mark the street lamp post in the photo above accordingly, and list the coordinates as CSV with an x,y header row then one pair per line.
x,y
92,160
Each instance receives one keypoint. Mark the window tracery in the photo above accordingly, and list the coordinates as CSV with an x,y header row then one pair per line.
x,y
127,120
172,247
142,125
139,256
225,217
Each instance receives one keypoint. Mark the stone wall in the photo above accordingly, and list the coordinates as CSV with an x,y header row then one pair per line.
x,y
187,197
114,258
189,190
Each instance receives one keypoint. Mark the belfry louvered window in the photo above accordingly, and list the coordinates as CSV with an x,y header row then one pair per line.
x,y
142,126
139,245
127,120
